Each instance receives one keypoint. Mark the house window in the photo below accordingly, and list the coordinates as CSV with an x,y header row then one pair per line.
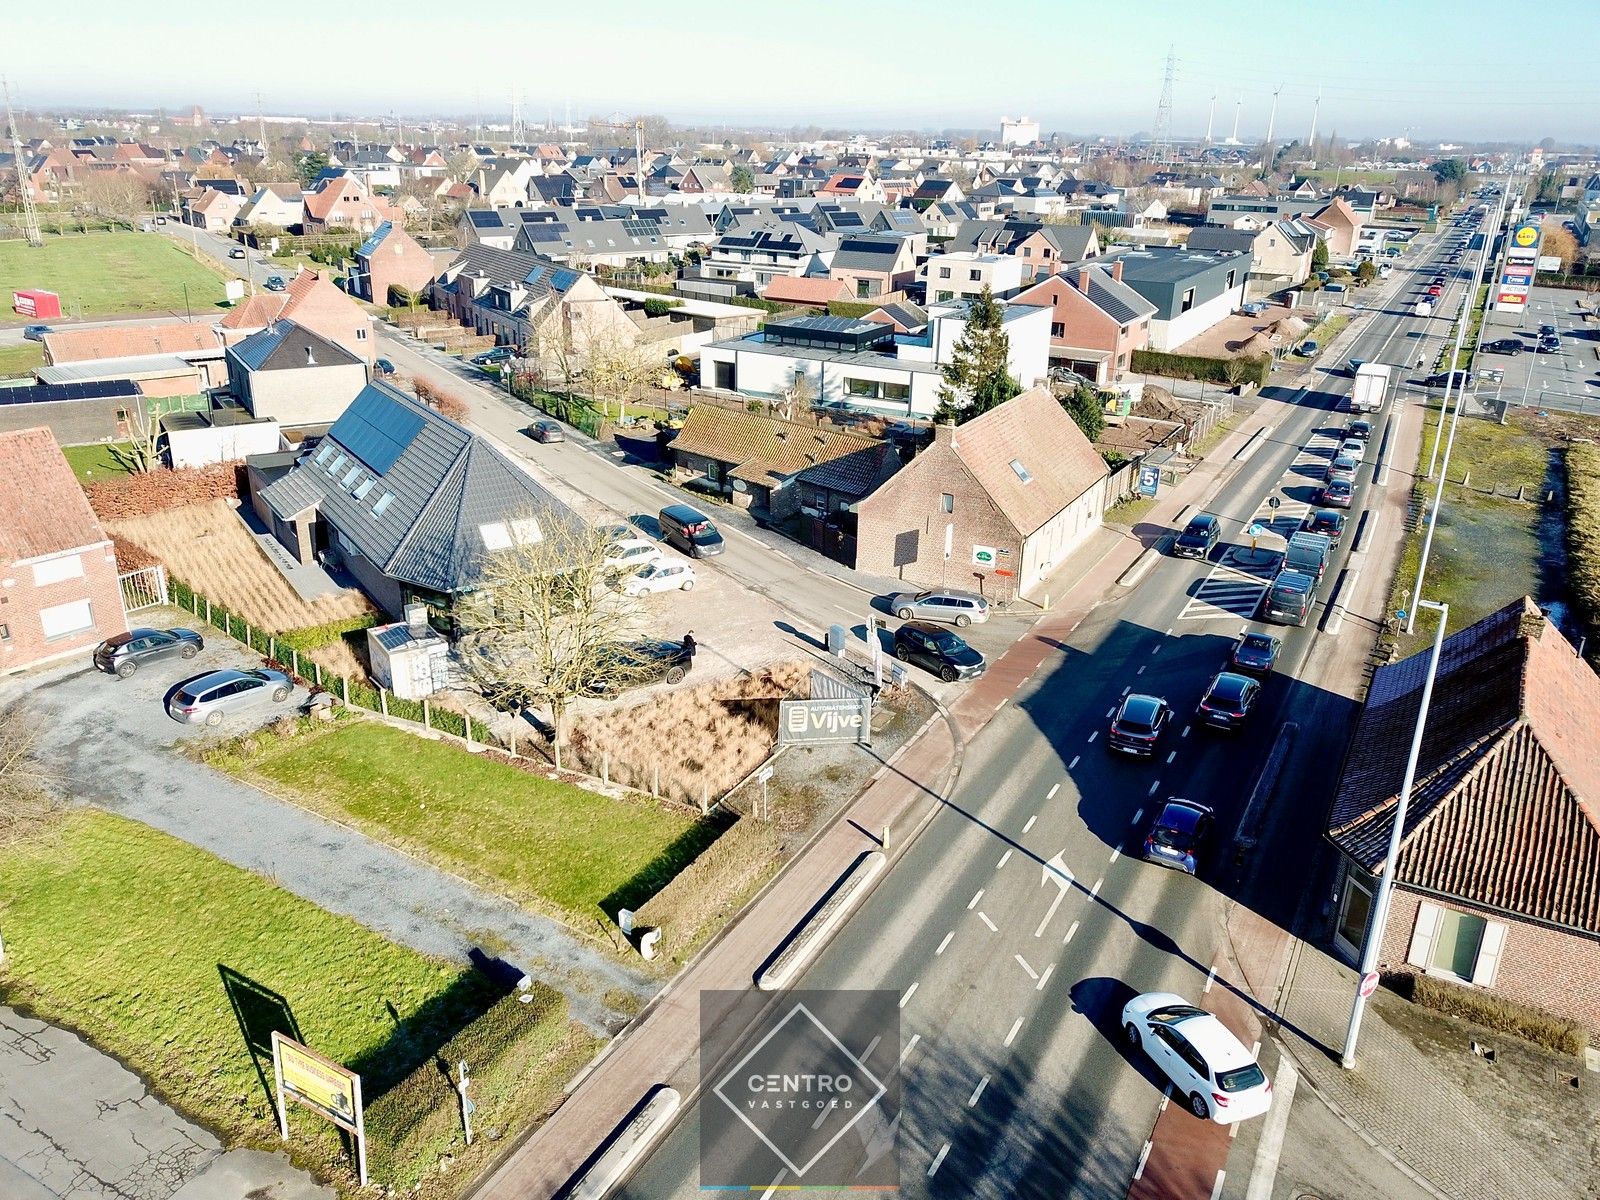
x,y
896,391
361,335
1058,329
57,569
1188,301
1027,252
5,633
944,272
64,620
947,295
1231,275
947,503
974,275
863,288
1354,912
1465,945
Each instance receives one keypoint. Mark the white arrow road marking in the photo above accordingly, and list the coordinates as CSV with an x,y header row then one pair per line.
x,y
1054,871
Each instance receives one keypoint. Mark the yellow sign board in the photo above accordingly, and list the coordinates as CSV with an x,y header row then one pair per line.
x,y
1526,235
323,1086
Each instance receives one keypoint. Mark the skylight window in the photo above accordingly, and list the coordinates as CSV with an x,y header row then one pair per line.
x,y
525,531
351,474
495,536
323,452
337,464
381,503
363,488
1021,471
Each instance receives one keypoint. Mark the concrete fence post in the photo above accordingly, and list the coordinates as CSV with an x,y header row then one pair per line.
x,y
383,702
344,686
655,779
466,723
272,646
605,767
294,660
705,797
427,717
513,741
316,669
208,610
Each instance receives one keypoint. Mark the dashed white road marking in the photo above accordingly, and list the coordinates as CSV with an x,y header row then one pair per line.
x,y
905,997
1137,813
1185,732
1153,788
984,917
910,1046
1070,932
1127,689
1116,854
1216,1189
1111,712
1211,978
1004,859
1044,979
1171,754
1054,788
1070,765
938,1160
1094,735
1015,1025
945,942
977,1091
1030,821
976,896
1140,671
1144,1156
1095,890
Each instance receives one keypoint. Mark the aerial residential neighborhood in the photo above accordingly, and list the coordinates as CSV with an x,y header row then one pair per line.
x,y
642,604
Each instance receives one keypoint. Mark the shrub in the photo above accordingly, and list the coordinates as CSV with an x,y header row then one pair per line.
x,y
660,308
1583,528
1196,366
1507,1016
313,637
161,489
850,308
706,892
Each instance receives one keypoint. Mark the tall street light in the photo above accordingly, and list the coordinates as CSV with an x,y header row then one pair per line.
x,y
1391,863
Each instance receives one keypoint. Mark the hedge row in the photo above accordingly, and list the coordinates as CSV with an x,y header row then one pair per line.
x,y
1199,367
1583,529
1484,1008
156,491
709,890
851,308
314,637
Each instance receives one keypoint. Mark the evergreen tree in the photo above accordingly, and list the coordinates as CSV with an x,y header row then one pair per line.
x,y
976,378
1084,406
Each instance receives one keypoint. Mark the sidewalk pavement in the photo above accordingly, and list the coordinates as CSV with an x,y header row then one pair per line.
x,y
660,1047
1463,1126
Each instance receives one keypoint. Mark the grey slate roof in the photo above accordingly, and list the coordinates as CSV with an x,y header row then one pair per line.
x,y
1216,237
443,487
1115,298
867,253
1071,242
283,346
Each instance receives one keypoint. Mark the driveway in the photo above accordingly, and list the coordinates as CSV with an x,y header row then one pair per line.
x,y
111,746
75,1124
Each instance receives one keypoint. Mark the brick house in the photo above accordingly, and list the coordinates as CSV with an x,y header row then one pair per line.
x,y
1343,224
807,292
310,300
341,202
1043,249
993,505
1096,320
58,574
875,266
390,258
759,462
1498,881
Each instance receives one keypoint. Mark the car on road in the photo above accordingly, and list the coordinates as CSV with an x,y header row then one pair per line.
x,y
629,553
1137,725
1353,447
660,575
1548,345
1435,290
1359,428
1509,345
1254,654
1342,467
1337,493
1328,521
1442,379
1228,701
275,283
936,649
546,432
1212,1072
1198,538
35,333
210,698
1547,331
491,356
635,664
237,252
383,366
1177,834
941,604
125,653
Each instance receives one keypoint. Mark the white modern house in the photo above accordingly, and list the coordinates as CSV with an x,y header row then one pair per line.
x,y
965,273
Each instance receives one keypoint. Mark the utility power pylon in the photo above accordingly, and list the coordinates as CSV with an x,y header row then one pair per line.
x,y
1163,132
30,214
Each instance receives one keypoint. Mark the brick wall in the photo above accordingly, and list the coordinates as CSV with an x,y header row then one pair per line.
x,y
21,601
901,526
1549,969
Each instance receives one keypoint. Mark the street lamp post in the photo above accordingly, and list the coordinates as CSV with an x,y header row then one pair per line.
x,y
1380,908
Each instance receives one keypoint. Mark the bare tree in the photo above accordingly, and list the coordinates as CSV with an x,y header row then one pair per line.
x,y
546,626
27,804
797,397
144,435
119,196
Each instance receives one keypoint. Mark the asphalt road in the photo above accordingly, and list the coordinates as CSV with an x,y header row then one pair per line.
x,y
1010,987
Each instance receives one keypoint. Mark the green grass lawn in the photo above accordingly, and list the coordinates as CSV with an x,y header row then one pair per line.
x,y
93,463
109,274
558,846
20,359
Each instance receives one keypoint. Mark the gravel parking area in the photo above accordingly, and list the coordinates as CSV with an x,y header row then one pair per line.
x,y
1224,338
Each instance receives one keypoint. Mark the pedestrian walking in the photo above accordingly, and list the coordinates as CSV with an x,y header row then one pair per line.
x,y
688,644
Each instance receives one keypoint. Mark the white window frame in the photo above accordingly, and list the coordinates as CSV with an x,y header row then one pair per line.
x,y
1485,963
59,611
57,570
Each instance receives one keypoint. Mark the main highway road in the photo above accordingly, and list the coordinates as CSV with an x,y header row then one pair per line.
x,y
1022,917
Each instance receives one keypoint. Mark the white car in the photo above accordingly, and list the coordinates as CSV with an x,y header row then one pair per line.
x,y
1352,447
629,553
660,575
1211,1071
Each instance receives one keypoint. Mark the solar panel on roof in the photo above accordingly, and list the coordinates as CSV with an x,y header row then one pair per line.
x,y
483,218
639,228
544,233
563,279
50,393
376,429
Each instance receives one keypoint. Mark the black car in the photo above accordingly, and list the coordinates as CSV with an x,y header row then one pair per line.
x,y
634,664
383,367
1442,379
1254,654
935,648
1324,520
1228,701
1547,331
1137,726
1198,537
1505,346
125,653
1548,345
490,357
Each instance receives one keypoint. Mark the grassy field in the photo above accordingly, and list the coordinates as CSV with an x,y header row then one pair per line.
x,y
109,274
20,359
181,965
92,463
1486,550
564,849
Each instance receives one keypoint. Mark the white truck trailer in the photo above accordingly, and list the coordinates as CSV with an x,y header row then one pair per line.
x,y
1371,391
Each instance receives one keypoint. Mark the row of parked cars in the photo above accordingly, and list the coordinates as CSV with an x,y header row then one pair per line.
x,y
205,700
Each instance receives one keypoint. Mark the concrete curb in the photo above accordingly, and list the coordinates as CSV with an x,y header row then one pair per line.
x,y
1333,615
1250,822
841,901
1143,564
626,1145
1257,439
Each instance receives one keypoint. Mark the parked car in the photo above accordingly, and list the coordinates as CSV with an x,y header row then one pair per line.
x,y
660,575
630,553
1253,309
383,366
1137,726
1255,654
35,333
546,432
1211,1071
1327,521
491,356
635,664
1337,493
1177,834
1198,538
275,283
1307,348
1508,345
941,604
1228,701
125,653
210,698
938,650
1342,467
690,530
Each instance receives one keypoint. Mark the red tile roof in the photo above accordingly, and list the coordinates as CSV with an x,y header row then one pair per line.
x,y
45,510
127,341
1505,811
793,289
767,450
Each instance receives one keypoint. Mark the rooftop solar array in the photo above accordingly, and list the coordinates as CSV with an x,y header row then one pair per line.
x,y
375,430
48,393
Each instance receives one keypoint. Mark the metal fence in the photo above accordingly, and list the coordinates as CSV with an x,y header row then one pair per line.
x,y
144,588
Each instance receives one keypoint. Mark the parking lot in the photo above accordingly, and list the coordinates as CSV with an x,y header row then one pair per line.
x,y
1568,380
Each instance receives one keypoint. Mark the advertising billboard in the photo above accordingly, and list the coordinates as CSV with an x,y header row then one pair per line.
x,y
321,1085
1523,244
817,722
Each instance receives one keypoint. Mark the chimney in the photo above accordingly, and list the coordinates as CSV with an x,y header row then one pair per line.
x,y
1116,269
1083,279
311,359
944,433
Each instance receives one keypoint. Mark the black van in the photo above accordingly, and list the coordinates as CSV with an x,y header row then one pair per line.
x,y
690,530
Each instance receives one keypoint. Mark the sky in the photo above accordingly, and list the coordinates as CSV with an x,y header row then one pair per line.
x,y
1428,70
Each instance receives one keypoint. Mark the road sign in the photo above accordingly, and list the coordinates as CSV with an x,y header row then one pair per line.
x,y
1369,984
1273,502
1256,529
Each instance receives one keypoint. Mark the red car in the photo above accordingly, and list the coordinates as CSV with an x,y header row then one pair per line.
x,y
1435,290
